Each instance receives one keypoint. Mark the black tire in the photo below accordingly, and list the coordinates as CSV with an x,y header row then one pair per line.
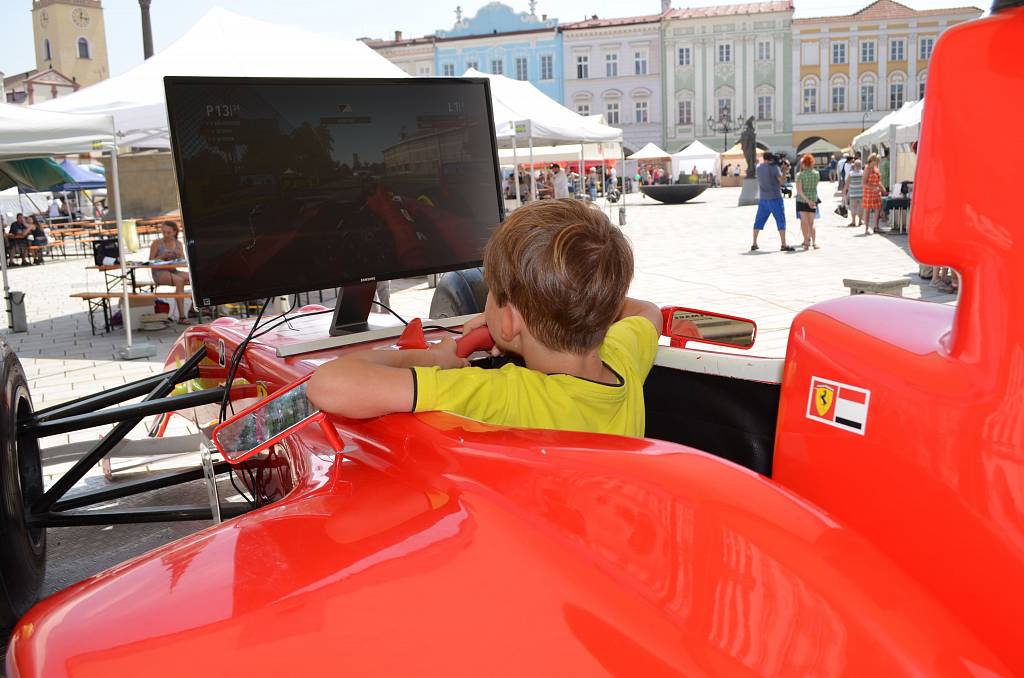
x,y
459,293
22,548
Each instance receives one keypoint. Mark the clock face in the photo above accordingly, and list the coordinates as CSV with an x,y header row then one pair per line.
x,y
44,18
81,17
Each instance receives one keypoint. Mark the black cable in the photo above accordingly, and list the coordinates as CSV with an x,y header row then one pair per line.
x,y
406,322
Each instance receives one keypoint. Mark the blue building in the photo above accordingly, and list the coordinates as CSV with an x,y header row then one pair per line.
x,y
498,39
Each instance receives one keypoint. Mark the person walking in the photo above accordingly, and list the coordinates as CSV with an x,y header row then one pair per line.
x,y
559,182
807,200
769,182
854,192
872,200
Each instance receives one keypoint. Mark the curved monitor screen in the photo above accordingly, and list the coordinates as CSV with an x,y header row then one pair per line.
x,y
290,185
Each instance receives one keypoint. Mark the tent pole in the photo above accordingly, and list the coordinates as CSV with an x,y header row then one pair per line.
x,y
622,176
533,175
581,183
128,352
515,168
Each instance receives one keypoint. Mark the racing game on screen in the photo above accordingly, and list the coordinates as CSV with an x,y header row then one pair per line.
x,y
289,186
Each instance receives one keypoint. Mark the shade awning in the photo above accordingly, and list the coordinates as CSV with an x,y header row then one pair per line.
x,y
30,133
820,147
650,151
36,174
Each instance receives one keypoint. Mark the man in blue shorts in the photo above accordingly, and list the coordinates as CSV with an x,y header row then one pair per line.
x,y
769,182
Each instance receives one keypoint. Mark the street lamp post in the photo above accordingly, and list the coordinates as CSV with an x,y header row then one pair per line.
x,y
863,118
725,124
147,30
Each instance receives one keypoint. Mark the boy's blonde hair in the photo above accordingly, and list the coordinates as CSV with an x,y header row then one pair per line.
x,y
565,267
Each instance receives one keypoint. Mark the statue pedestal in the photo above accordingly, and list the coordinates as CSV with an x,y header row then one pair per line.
x,y
750,192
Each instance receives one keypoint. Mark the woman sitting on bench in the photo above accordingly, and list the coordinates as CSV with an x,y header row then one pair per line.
x,y
169,248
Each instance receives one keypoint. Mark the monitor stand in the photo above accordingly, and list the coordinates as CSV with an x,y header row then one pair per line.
x,y
353,309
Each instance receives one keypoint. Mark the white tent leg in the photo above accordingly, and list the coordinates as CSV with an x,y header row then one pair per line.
x,y
515,168
7,288
533,174
142,350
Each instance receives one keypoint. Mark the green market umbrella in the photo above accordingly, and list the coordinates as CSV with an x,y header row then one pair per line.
x,y
37,174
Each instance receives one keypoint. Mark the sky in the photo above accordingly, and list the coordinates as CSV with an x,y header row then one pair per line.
x,y
340,19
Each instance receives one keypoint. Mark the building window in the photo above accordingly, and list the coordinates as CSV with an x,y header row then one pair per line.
x,y
83,49
839,52
867,52
423,70
686,112
547,67
583,67
684,56
521,70
809,53
497,66
725,53
838,98
810,97
640,62
448,70
927,45
611,112
46,49
640,112
896,50
764,50
764,107
920,89
611,65
867,97
475,65
725,107
896,95
583,109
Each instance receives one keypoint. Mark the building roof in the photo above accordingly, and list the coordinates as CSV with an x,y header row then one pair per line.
x,y
594,22
730,10
882,10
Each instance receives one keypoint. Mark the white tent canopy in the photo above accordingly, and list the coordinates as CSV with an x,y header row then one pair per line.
x,y
908,129
705,159
563,153
550,122
879,133
222,43
650,151
28,133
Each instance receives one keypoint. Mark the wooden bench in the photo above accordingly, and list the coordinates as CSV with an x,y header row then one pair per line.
x,y
48,248
876,285
100,301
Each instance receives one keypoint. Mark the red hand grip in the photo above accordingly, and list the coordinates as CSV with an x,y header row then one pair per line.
x,y
478,340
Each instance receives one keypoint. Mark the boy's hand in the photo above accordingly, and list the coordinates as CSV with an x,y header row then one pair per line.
x,y
443,355
474,323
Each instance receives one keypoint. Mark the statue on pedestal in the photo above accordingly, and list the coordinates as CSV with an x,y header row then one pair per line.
x,y
748,142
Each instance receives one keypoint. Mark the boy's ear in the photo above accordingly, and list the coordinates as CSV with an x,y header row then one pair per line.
x,y
511,323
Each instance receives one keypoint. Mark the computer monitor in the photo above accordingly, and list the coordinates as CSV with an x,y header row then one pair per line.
x,y
291,185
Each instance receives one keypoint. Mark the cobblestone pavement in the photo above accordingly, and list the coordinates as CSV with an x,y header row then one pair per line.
x,y
696,254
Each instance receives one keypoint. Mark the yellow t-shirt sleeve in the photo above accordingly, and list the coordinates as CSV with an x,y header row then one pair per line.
x,y
470,391
630,346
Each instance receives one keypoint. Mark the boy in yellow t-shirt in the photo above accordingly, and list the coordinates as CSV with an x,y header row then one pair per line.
x,y
557,273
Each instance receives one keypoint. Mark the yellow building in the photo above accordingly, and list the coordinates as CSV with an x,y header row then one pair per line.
x,y
70,38
852,70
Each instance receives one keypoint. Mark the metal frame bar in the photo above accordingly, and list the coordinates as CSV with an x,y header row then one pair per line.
x,y
94,402
130,488
45,503
159,514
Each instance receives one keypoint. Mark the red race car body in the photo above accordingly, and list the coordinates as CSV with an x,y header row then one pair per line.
x,y
883,535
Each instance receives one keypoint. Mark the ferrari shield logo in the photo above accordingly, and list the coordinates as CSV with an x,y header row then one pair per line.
x,y
823,398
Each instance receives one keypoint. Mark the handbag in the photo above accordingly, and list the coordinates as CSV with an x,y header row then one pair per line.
x,y
842,211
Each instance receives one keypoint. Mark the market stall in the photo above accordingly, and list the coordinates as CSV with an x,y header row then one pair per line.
x,y
733,157
706,159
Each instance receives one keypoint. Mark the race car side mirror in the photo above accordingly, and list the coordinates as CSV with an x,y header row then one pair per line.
x,y
682,325
278,416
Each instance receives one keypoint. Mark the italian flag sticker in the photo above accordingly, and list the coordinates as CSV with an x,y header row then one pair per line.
x,y
838,404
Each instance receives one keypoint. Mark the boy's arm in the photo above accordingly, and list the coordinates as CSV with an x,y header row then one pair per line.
x,y
367,384
644,309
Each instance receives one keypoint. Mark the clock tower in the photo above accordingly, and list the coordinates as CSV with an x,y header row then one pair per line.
x,y
70,38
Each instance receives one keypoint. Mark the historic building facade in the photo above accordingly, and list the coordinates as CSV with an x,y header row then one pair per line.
x,y
852,70
728,61
500,40
415,56
613,67
70,38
